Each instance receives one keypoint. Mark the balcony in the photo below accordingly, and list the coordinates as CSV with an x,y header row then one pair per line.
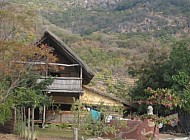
x,y
64,84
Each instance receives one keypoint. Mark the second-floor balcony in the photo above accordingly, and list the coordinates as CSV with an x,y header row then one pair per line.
x,y
64,84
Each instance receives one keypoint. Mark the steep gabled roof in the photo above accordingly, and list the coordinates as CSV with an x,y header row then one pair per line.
x,y
64,49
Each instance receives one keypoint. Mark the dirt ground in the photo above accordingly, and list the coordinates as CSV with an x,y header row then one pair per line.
x,y
165,136
4,136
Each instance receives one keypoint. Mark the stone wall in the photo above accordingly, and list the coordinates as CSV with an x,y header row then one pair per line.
x,y
135,129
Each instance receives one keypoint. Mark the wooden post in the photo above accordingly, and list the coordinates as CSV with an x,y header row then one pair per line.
x,y
15,120
61,117
81,77
80,95
44,116
24,112
28,123
22,122
75,133
32,132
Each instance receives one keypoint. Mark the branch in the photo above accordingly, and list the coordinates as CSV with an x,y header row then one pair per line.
x,y
12,86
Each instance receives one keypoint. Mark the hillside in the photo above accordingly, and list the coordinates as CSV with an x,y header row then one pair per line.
x,y
157,17
114,36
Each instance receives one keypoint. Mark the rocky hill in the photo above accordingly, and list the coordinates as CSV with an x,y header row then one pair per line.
x,y
156,17
114,36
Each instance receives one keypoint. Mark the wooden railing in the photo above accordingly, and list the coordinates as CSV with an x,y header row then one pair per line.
x,y
64,84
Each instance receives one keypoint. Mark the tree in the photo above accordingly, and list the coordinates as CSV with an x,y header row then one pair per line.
x,y
177,72
162,98
29,93
18,77
14,66
151,75
5,109
17,74
171,73
16,22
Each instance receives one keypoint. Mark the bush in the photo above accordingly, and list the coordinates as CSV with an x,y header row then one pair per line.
x,y
53,126
63,125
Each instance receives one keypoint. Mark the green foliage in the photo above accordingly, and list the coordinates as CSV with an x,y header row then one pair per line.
x,y
172,73
162,97
151,75
30,92
20,128
6,110
119,89
28,97
63,125
84,120
52,126
182,88
106,64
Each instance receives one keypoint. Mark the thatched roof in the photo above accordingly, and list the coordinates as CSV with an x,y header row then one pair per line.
x,y
48,36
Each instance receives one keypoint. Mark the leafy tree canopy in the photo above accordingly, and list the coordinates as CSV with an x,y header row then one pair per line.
x,y
18,77
166,72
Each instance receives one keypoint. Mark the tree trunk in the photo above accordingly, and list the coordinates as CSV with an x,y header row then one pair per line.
x,y
28,123
75,133
22,124
44,116
32,132
24,113
15,119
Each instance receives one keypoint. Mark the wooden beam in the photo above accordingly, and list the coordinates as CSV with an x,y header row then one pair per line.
x,y
60,78
39,42
65,91
81,78
81,72
44,63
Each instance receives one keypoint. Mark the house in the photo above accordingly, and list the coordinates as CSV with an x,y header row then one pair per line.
x,y
71,83
67,85
68,82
